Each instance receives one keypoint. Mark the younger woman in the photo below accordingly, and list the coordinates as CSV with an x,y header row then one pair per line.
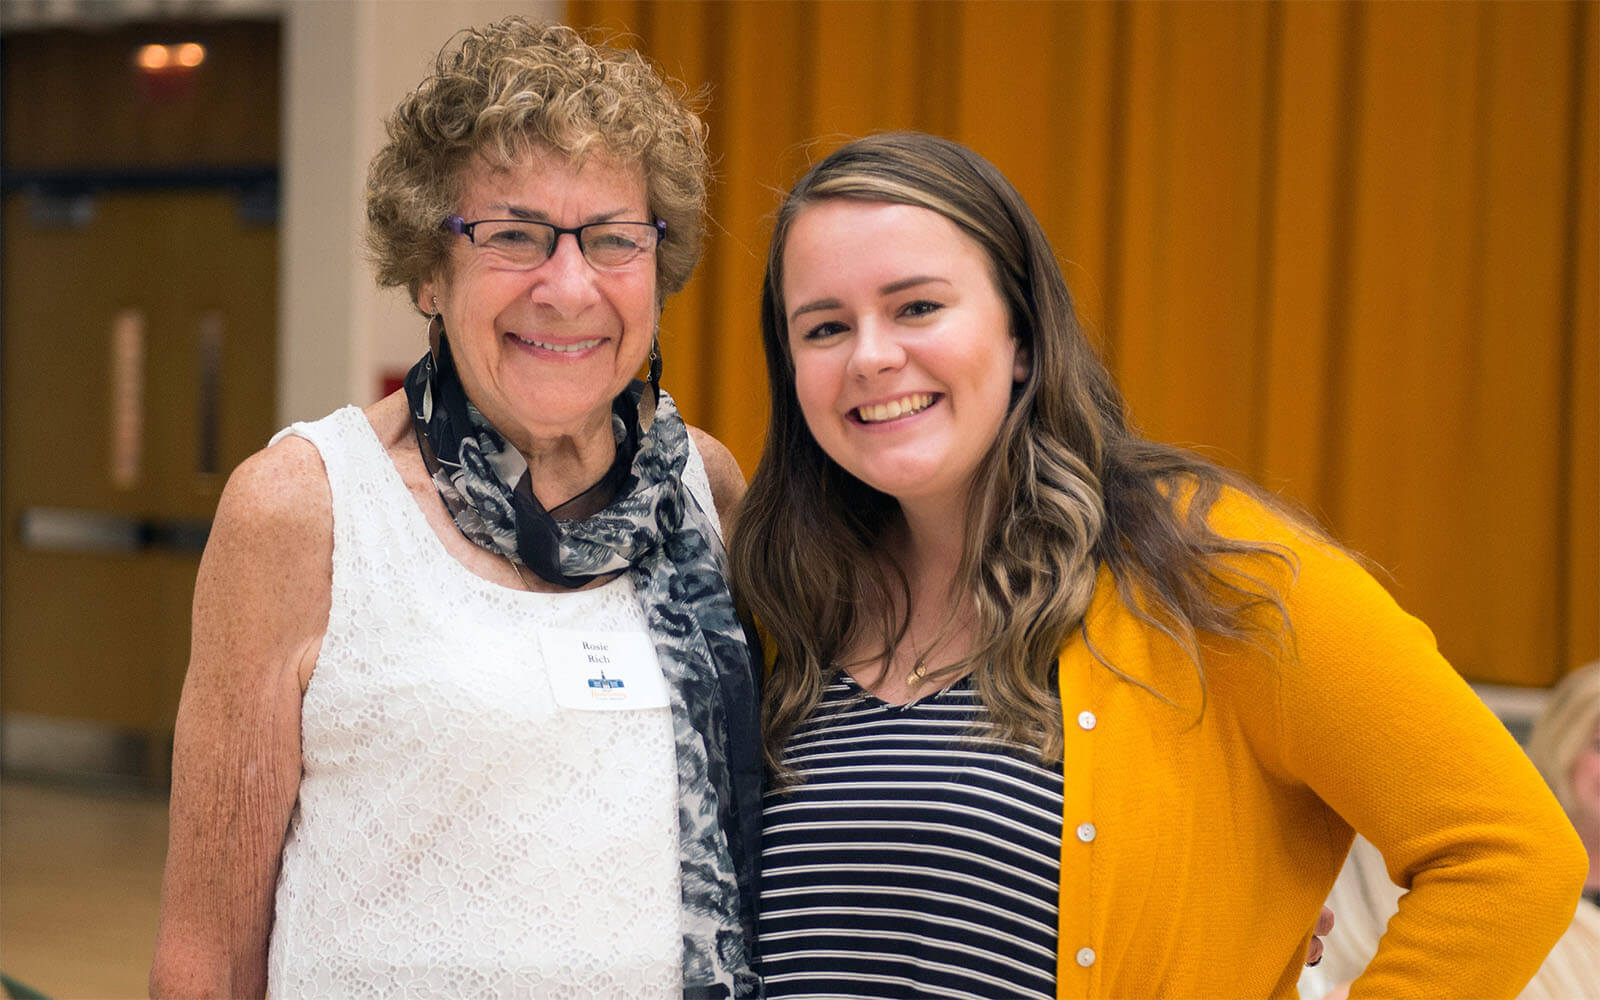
x,y
1058,710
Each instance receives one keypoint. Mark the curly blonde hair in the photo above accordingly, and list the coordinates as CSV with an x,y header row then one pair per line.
x,y
499,90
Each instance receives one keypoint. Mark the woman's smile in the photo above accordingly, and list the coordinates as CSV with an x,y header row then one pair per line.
x,y
559,347
895,410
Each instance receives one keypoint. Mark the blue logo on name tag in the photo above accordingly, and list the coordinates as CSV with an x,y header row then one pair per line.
x,y
604,683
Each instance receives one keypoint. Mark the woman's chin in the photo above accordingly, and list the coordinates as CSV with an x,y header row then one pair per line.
x,y
547,407
913,485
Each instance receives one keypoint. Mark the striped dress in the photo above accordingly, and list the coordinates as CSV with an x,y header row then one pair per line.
x,y
913,860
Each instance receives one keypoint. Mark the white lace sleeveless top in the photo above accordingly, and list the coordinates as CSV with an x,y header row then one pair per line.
x,y
457,833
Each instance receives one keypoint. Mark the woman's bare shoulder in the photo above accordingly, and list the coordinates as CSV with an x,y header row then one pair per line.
x,y
722,469
281,487
265,583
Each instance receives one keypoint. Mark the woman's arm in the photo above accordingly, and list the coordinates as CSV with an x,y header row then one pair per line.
x,y
260,609
1386,732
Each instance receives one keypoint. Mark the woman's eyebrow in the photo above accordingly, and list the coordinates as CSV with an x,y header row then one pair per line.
x,y
816,306
535,215
898,285
904,283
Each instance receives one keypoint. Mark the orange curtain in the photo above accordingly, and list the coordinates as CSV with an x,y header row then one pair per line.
x,y
1349,249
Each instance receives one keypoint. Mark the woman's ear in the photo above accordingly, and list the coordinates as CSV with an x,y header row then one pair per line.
x,y
1024,363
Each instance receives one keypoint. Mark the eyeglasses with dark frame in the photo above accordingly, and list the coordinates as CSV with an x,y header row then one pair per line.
x,y
525,244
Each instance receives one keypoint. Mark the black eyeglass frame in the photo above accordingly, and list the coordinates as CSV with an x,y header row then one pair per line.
x,y
461,227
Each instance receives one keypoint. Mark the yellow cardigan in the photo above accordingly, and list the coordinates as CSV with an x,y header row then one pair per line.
x,y
1195,856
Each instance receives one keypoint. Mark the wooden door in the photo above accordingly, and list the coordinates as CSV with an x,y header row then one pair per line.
x,y
139,356
137,365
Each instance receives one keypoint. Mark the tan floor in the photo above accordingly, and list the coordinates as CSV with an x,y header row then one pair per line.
x,y
80,884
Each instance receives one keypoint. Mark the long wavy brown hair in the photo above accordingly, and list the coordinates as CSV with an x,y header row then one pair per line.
x,y
1068,486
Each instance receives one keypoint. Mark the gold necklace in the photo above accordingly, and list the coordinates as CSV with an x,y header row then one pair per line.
x,y
919,664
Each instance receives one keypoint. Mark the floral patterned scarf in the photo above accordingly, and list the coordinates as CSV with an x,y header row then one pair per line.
x,y
653,529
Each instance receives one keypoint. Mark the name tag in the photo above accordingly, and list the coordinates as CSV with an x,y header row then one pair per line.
x,y
597,671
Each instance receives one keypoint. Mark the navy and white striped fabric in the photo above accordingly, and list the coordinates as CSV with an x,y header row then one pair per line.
x,y
914,859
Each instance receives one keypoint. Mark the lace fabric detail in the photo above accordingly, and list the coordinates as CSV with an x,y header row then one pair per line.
x,y
458,834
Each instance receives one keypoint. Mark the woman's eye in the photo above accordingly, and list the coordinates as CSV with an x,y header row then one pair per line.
x,y
511,238
824,330
921,307
613,241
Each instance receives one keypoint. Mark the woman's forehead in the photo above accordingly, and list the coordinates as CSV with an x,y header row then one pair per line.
x,y
541,175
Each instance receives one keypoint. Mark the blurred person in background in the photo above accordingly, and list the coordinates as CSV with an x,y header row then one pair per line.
x,y
469,712
1565,747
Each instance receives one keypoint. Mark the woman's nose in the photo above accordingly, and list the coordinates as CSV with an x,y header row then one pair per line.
x,y
875,350
565,281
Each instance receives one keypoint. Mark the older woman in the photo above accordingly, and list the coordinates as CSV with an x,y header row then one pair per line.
x,y
469,712
1058,710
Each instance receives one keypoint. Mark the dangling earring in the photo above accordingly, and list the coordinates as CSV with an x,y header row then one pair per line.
x,y
435,333
435,326
648,400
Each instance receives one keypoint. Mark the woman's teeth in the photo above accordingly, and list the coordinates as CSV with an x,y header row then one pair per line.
x,y
582,345
904,406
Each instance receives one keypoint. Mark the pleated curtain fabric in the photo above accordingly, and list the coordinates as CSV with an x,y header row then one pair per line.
x,y
1349,249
